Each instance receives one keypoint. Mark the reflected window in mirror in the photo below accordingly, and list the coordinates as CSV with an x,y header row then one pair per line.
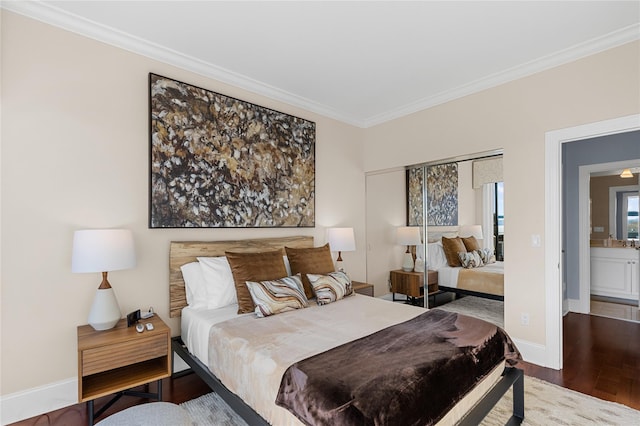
x,y
623,212
498,228
629,216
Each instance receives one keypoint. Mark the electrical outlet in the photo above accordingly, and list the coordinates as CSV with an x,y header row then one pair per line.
x,y
524,318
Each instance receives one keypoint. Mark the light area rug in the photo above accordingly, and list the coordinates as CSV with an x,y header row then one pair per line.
x,y
545,404
485,309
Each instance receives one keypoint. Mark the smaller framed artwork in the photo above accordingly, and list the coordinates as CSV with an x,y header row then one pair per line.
x,y
442,195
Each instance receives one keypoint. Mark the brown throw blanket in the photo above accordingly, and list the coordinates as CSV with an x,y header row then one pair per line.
x,y
411,373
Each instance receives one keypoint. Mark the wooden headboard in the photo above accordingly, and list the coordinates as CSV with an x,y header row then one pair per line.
x,y
183,252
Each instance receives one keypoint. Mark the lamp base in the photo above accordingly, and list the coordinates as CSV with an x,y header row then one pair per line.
x,y
407,262
105,311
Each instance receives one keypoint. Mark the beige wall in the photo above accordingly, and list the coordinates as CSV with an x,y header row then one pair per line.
x,y
386,204
75,155
515,117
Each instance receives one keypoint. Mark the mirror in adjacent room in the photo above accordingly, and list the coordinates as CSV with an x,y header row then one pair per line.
x,y
614,261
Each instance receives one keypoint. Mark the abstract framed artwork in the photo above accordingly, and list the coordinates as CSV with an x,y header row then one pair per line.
x,y
415,196
220,162
442,195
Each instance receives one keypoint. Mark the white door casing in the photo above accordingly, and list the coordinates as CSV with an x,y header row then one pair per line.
x,y
553,221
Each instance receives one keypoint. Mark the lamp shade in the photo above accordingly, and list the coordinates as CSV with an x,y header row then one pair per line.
x,y
471,231
408,235
626,173
102,250
341,239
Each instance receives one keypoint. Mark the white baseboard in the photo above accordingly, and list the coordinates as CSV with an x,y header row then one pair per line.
x,y
33,402
533,353
576,306
53,396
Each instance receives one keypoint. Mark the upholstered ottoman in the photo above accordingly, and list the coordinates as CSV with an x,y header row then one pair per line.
x,y
150,414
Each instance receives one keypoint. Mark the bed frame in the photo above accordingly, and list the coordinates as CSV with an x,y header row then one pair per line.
x,y
181,253
458,291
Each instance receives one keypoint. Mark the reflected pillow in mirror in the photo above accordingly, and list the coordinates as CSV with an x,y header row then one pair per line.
x,y
453,246
470,259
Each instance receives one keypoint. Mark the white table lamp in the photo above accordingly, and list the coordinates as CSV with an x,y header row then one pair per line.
x,y
471,231
341,239
103,250
408,236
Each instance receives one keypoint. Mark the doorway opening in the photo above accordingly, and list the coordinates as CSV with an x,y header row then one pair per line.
x,y
555,290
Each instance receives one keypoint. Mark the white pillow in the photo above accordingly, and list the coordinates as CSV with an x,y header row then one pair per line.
x,y
221,289
436,257
287,265
195,286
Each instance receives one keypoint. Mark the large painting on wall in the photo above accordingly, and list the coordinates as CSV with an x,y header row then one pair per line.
x,y
220,162
442,195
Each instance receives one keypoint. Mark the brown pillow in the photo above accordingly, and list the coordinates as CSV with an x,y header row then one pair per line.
x,y
254,266
453,246
315,260
470,243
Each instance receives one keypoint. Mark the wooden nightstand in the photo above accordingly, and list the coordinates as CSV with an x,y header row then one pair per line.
x,y
113,361
411,284
362,288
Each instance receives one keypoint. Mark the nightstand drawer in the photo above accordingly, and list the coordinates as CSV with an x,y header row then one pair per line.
x,y
105,358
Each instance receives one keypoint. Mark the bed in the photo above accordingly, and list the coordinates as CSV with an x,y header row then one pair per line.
x,y
220,345
478,279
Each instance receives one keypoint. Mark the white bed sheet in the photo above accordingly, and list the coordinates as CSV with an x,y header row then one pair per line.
x,y
195,326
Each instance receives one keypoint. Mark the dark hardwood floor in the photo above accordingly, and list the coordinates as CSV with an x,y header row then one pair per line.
x,y
601,358
176,390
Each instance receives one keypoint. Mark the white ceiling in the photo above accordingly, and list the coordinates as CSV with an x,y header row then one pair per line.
x,y
359,62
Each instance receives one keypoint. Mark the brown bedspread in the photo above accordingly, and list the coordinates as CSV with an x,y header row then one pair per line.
x,y
481,281
411,373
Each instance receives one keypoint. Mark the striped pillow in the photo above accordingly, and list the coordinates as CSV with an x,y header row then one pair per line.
x,y
487,256
275,296
331,287
470,259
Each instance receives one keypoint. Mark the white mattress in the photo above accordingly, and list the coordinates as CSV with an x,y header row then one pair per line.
x,y
255,376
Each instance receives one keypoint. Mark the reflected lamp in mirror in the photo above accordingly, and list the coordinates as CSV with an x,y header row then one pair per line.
x,y
341,239
626,173
408,236
103,250
471,231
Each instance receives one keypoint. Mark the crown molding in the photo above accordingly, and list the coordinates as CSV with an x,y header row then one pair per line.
x,y
52,15
590,47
